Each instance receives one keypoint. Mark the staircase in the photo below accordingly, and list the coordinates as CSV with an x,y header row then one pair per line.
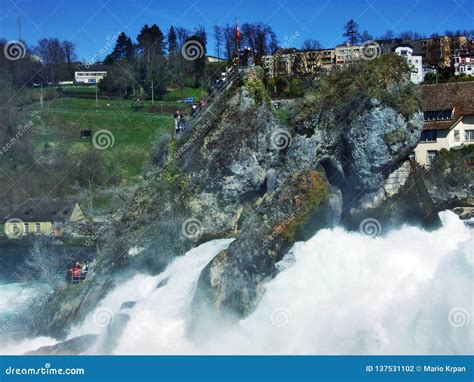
x,y
210,99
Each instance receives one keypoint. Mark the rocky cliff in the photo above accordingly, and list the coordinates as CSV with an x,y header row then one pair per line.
x,y
239,173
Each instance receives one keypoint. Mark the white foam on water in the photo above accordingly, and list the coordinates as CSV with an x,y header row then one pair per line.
x,y
409,292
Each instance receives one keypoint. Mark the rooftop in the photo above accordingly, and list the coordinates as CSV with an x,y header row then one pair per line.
x,y
437,100
43,210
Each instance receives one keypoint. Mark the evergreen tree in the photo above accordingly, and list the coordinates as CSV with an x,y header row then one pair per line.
x,y
351,32
123,50
151,47
172,41
200,63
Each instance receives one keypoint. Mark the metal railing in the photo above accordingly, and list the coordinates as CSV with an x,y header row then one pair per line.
x,y
73,280
210,99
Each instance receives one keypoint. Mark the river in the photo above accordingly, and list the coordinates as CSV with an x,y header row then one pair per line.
x,y
408,292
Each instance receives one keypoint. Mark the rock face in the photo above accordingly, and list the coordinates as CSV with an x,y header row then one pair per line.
x,y
74,346
239,174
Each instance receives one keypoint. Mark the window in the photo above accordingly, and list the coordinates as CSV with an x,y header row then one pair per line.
x,y
27,228
37,227
470,135
430,156
457,135
438,115
16,229
428,136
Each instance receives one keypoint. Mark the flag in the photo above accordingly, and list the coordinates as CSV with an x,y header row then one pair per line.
x,y
237,32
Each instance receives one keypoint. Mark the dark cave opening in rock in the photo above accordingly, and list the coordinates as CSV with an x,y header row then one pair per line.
x,y
336,178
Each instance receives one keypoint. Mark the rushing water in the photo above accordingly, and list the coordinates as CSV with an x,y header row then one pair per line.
x,y
410,291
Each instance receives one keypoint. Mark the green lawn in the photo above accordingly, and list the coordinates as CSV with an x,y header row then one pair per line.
x,y
183,93
58,124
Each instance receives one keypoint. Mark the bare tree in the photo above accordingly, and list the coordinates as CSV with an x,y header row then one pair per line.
x,y
45,266
52,53
310,44
70,55
219,39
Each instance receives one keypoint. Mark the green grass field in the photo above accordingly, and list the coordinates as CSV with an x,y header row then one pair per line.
x,y
58,125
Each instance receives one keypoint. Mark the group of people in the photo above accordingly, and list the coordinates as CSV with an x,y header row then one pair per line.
x,y
220,82
179,122
77,272
245,57
180,117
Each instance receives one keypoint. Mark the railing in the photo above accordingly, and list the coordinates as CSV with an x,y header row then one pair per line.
x,y
73,280
209,100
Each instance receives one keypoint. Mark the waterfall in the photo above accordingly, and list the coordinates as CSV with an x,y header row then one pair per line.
x,y
409,292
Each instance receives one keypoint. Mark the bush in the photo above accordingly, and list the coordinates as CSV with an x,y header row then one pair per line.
x,y
346,89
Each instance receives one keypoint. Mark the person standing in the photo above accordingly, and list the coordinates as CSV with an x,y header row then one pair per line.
x,y
176,120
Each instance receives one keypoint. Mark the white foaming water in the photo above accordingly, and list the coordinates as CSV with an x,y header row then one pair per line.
x,y
13,295
338,293
159,318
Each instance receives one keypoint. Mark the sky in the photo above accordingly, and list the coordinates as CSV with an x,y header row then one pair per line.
x,y
91,24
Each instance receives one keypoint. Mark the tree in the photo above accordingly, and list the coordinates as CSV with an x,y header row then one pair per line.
x,y
120,79
46,266
219,39
259,36
123,50
150,48
351,32
200,63
230,43
52,53
182,34
365,36
310,44
172,42
70,55
389,35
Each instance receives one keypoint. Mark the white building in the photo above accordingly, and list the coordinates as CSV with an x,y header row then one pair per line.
x,y
414,62
89,77
449,119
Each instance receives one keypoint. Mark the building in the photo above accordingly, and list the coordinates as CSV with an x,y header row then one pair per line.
x,y
42,216
285,62
347,53
415,62
212,59
438,50
463,63
423,55
449,119
90,74
429,69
